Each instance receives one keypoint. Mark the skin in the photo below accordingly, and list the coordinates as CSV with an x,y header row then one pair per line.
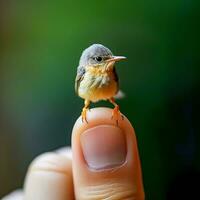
x,y
57,175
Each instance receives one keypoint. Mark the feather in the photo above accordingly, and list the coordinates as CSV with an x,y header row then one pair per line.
x,y
79,77
120,95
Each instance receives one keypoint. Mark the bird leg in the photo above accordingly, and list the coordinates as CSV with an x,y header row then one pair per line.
x,y
84,110
116,111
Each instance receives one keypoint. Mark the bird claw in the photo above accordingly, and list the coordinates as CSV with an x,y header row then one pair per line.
x,y
84,115
115,115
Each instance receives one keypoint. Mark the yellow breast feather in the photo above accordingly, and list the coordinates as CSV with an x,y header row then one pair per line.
x,y
97,85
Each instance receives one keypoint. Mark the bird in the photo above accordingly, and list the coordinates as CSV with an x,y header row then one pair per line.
x,y
97,79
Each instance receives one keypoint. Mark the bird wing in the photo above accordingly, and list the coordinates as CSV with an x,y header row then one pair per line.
x,y
119,94
79,77
116,77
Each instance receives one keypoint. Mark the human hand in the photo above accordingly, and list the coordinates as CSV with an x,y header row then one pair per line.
x,y
104,164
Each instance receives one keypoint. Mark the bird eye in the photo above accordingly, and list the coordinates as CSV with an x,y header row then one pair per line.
x,y
98,59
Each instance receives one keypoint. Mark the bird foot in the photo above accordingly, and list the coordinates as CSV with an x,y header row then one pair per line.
x,y
84,115
116,114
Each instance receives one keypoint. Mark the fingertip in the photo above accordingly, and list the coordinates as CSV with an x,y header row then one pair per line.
x,y
102,119
99,116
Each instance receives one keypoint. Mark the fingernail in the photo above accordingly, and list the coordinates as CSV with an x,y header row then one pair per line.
x,y
104,147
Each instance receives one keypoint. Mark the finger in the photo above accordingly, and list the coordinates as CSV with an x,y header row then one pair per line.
x,y
16,195
106,163
49,177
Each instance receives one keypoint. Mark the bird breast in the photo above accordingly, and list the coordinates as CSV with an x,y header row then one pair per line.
x,y
97,85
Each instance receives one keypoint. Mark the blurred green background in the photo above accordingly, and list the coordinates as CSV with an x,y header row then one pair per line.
x,y
40,45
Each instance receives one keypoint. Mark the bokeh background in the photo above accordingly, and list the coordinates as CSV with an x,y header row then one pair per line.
x,y
40,45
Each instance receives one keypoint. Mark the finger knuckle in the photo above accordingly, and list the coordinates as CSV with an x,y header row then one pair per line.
x,y
109,191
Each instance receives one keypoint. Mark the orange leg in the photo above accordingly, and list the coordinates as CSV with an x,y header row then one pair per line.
x,y
116,113
84,111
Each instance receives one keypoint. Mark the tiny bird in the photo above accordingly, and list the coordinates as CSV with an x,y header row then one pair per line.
x,y
97,79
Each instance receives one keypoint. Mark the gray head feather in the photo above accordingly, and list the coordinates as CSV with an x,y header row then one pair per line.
x,y
90,54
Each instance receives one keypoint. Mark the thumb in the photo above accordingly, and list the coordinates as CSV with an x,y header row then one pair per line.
x,y
106,163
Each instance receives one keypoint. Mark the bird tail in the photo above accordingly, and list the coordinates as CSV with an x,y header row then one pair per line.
x,y
119,95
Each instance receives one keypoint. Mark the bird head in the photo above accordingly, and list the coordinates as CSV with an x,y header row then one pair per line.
x,y
99,56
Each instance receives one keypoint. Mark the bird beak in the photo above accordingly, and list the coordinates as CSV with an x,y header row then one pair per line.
x,y
115,58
